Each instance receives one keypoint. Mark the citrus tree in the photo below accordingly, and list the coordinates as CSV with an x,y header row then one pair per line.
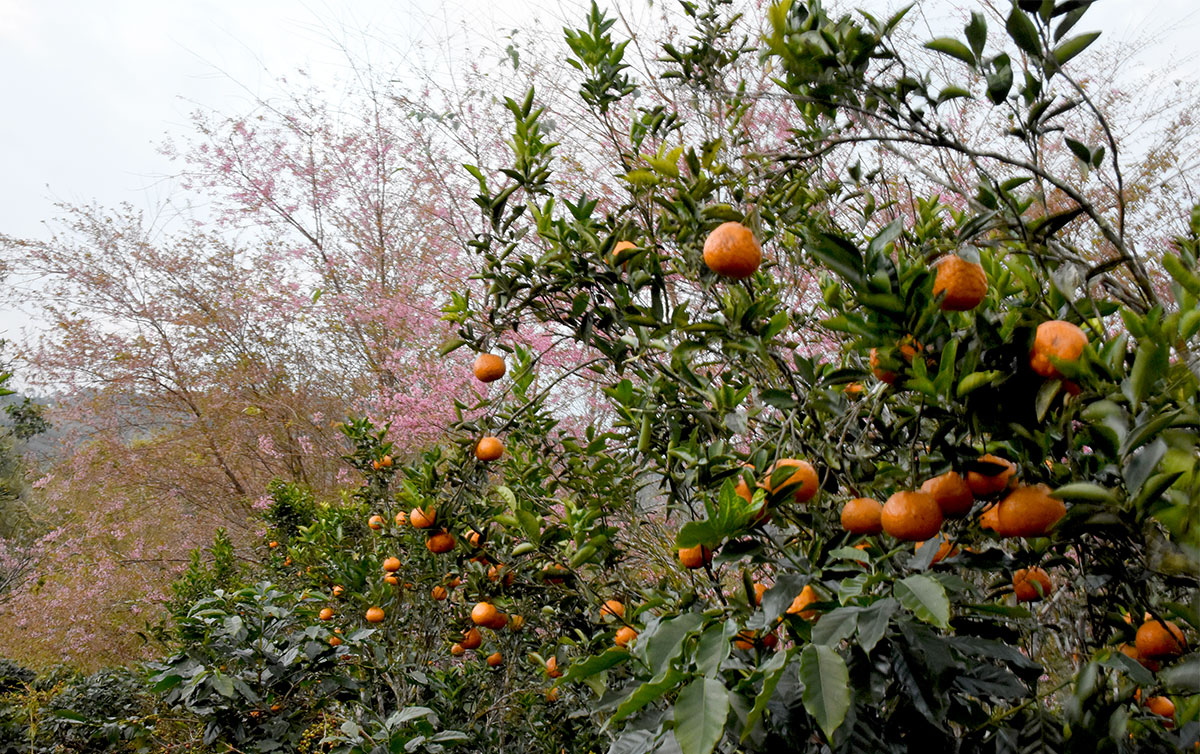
x,y
884,460
961,516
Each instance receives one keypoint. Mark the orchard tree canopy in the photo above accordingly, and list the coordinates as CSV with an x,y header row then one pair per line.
x,y
846,401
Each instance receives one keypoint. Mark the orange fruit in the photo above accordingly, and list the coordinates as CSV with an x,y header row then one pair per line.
x,y
911,516
1159,640
488,367
745,640
1028,512
374,615
613,609
1131,651
337,591
963,282
335,641
272,544
423,518
622,246
472,639
498,571
759,591
908,349
983,484
452,583
439,543
483,613
695,557
1058,340
881,374
854,389
375,522
458,650
401,518
439,593
555,573
945,550
861,516
474,538
951,492
732,250
1163,707
1026,582
742,489
495,660
326,613
799,606
386,462
624,635
552,668
391,565
516,622
489,449
391,579
805,477
499,621
990,518
552,694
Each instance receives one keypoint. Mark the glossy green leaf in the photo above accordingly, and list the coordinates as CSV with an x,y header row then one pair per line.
x,y
926,598
700,714
826,686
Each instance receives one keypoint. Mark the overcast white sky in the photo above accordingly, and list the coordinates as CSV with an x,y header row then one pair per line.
x,y
89,88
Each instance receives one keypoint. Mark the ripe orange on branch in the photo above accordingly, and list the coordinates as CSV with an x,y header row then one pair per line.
x,y
488,367
984,483
963,283
423,518
439,543
472,639
375,615
695,557
862,516
613,609
1028,512
911,516
375,522
799,606
1159,640
391,565
624,635
805,477
1026,582
489,449
1056,340
733,251
951,492
483,613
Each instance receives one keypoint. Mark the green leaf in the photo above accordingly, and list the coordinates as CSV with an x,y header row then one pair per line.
x,y
953,48
926,598
596,664
977,32
826,686
836,625
1080,150
223,685
1000,80
666,643
772,673
873,622
451,345
976,380
714,647
697,532
952,92
653,689
700,714
1023,32
1085,491
1074,46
